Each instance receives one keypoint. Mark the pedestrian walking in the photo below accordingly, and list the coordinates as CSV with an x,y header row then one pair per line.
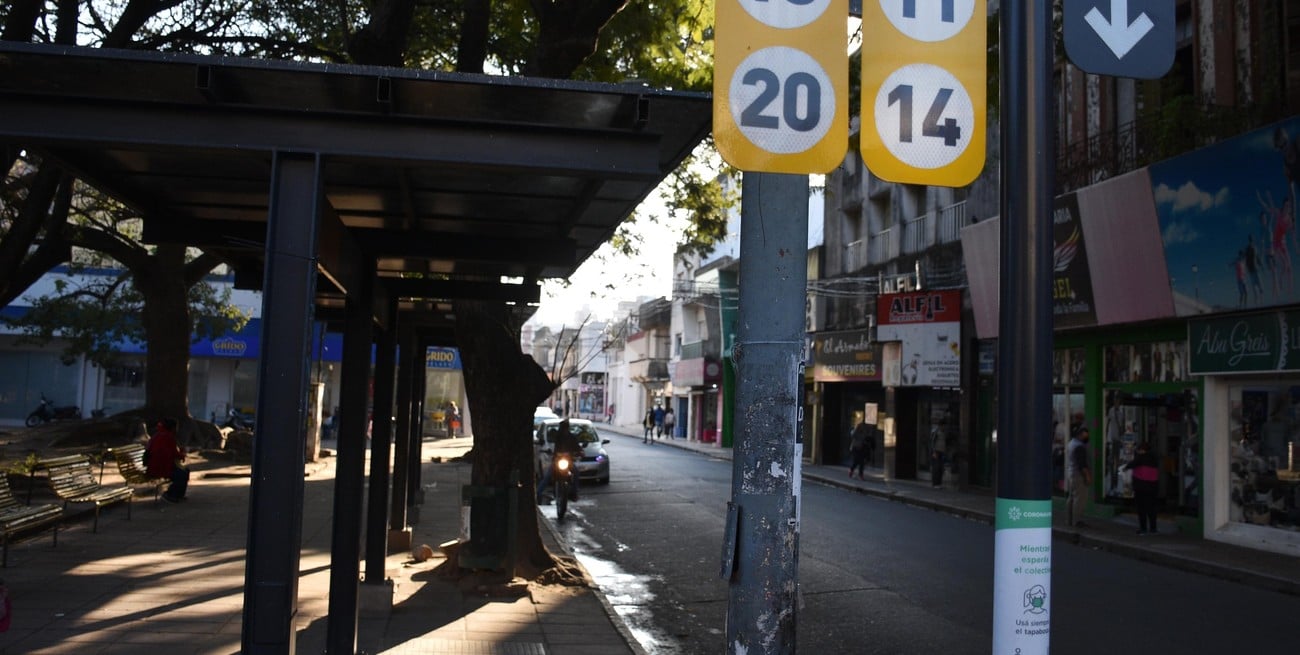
x,y
859,447
649,424
938,453
1146,476
659,421
1079,472
670,421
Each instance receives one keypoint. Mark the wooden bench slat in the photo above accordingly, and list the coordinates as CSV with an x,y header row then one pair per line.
x,y
16,518
130,466
74,482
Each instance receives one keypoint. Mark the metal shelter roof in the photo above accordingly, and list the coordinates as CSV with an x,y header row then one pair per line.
x,y
463,178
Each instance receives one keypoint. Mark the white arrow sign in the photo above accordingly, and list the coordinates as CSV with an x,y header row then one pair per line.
x,y
1119,35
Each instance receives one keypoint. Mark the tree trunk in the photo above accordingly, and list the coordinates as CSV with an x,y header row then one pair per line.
x,y
503,386
166,318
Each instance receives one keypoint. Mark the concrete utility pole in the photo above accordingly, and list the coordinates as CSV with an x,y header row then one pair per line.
x,y
761,548
1022,580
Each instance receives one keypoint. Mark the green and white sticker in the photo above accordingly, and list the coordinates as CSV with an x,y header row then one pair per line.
x,y
1022,576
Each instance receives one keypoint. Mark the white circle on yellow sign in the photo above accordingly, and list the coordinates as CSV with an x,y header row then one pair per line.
x,y
782,100
928,20
785,14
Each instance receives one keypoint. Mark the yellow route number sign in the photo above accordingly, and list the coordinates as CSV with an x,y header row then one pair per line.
x,y
780,84
923,90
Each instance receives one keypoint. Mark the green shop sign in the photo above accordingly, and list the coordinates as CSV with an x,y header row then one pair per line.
x,y
1241,344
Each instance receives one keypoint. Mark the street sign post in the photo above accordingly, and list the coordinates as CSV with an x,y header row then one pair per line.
x,y
780,84
923,90
1124,38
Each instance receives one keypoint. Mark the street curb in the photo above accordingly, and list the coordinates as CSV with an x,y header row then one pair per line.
x,y
614,619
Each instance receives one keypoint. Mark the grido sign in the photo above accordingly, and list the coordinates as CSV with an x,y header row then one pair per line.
x,y
439,357
780,84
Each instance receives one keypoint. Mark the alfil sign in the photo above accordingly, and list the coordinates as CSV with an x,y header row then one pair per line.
x,y
1123,38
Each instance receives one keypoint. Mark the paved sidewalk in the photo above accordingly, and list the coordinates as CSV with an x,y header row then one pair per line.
x,y
1266,570
171,579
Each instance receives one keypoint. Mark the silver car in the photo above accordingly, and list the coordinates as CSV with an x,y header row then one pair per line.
x,y
594,464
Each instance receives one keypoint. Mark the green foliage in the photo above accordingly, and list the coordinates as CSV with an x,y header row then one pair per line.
x,y
94,317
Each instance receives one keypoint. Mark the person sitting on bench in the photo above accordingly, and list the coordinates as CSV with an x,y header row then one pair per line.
x,y
165,460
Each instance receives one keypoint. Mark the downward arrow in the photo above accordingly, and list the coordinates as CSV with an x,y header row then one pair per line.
x,y
1117,35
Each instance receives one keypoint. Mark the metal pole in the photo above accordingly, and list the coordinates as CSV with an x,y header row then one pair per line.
x,y
350,471
406,370
761,551
381,437
1023,523
276,492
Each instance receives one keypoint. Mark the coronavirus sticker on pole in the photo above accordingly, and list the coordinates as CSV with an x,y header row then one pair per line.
x,y
779,86
923,90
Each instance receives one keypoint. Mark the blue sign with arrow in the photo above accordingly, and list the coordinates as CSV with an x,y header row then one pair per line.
x,y
1123,38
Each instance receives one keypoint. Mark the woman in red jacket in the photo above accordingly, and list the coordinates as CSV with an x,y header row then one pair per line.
x,y
165,457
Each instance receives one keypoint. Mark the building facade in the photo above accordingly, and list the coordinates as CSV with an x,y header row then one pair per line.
x,y
1174,233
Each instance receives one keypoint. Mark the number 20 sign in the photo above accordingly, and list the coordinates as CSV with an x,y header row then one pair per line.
x,y
780,84
923,90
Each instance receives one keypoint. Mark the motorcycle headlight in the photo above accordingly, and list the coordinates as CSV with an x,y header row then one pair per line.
x,y
562,464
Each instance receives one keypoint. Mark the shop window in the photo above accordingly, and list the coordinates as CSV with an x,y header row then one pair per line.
x,y
124,384
1161,361
1167,422
1263,471
1067,414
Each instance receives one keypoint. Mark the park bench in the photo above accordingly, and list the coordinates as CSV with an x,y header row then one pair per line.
x,y
130,465
16,518
74,482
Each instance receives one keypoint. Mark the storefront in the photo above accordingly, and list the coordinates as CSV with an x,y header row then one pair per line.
x,y
1251,369
695,385
922,330
846,378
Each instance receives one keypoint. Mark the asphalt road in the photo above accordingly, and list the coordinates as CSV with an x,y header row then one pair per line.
x,y
883,577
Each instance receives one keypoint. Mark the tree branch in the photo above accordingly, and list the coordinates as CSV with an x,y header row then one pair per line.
x,y
200,266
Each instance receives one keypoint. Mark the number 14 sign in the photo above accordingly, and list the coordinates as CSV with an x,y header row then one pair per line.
x,y
923,90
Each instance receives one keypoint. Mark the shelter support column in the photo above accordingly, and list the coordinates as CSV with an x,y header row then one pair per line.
x,y
399,531
276,490
349,479
377,593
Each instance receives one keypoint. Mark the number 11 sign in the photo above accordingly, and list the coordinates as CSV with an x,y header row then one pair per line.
x,y
780,84
923,90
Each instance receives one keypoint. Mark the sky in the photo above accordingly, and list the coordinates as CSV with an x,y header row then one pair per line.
x,y
605,278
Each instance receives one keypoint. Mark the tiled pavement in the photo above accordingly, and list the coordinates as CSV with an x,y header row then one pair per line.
x,y
171,580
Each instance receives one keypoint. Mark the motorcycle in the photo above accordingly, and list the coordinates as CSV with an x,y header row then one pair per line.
x,y
239,420
565,488
46,412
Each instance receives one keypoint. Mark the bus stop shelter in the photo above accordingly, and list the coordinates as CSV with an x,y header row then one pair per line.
x,y
370,197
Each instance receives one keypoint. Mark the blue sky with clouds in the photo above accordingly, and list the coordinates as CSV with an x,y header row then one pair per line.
x,y
1209,203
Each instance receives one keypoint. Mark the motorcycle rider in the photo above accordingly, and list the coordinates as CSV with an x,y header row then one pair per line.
x,y
563,441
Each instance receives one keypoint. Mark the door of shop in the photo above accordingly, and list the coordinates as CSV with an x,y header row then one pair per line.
x,y
1166,421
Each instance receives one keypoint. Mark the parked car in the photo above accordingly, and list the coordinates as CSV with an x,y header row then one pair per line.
x,y
594,464
541,414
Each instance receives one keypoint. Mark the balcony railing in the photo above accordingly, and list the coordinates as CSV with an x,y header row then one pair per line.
x,y
1180,127
883,246
916,234
699,350
855,256
648,370
951,220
